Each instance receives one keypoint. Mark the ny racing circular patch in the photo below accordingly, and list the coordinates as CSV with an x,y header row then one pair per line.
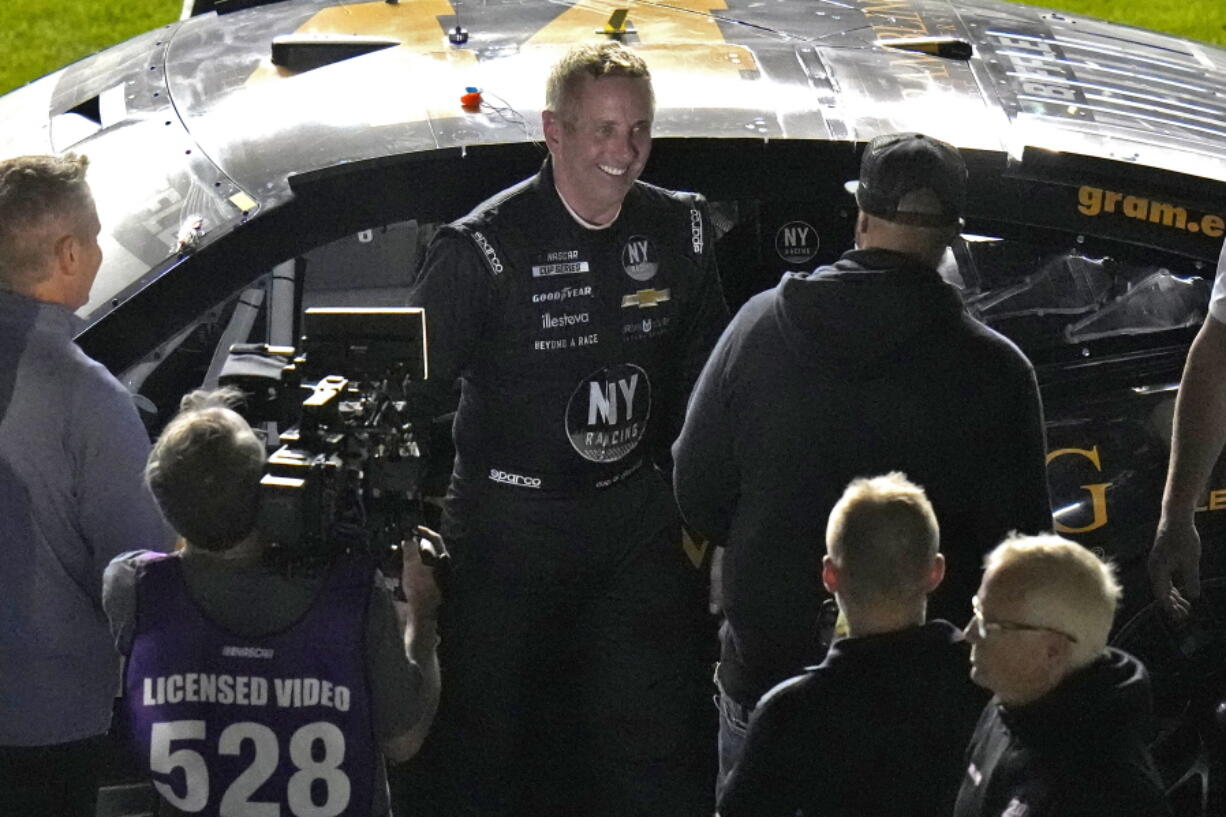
x,y
608,411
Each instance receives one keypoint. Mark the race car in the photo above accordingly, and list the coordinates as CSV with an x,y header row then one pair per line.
x,y
257,158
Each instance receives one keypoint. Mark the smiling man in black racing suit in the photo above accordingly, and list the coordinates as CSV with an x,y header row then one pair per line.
x,y
577,309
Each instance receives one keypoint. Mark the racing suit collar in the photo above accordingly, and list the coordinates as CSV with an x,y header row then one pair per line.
x,y
547,183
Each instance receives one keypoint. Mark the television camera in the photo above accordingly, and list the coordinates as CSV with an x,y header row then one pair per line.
x,y
348,471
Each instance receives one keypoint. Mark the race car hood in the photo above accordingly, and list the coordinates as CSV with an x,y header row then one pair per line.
x,y
863,316
193,130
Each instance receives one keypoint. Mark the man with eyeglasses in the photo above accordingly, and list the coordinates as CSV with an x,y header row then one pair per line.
x,y
1065,734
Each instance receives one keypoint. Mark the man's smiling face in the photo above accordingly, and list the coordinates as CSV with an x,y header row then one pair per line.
x,y
600,153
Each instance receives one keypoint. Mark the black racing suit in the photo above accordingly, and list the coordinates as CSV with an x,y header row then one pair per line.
x,y
565,629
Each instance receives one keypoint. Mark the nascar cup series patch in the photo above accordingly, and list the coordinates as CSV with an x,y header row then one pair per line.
x,y
607,413
639,258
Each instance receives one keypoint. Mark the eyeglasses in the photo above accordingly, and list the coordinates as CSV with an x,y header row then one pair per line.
x,y
982,628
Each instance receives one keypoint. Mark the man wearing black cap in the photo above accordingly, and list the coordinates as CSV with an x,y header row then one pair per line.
x,y
864,367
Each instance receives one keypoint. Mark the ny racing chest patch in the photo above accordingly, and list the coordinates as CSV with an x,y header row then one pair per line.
x,y
608,411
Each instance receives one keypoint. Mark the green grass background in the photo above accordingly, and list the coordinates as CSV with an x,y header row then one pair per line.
x,y
38,36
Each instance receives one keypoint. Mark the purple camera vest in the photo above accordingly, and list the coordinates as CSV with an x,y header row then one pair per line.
x,y
275,726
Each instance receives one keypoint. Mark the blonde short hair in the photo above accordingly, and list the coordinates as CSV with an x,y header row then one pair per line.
x,y
595,60
1064,586
883,535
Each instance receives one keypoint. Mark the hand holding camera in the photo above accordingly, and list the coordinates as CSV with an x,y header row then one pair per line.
x,y
423,571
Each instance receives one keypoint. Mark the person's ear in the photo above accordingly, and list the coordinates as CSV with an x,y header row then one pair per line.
x,y
551,123
1057,653
831,577
861,229
936,574
861,222
67,251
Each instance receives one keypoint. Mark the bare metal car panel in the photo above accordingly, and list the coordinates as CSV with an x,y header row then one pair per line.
x,y
239,126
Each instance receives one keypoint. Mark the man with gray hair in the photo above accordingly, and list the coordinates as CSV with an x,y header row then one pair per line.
x,y
72,449
880,727
1065,734
225,647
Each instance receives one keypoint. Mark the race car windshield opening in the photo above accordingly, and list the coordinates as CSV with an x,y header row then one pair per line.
x,y
1042,299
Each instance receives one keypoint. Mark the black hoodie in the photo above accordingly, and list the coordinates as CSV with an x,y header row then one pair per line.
x,y
869,366
1079,751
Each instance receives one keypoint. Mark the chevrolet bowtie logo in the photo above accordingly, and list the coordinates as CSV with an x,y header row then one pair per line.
x,y
645,298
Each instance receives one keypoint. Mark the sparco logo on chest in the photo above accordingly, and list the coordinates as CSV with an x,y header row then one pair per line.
x,y
608,412
639,258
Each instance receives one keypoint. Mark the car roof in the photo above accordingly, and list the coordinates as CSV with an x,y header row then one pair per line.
x,y
193,131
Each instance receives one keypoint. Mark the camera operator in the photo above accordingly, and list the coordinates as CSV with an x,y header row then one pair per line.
x,y
264,686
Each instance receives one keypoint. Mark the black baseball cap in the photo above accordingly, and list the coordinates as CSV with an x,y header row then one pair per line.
x,y
910,178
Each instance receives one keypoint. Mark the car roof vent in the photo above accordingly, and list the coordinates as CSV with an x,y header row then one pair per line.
x,y
306,52
950,48
91,109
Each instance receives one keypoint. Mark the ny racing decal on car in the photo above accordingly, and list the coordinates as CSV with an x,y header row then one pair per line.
x,y
608,411
797,242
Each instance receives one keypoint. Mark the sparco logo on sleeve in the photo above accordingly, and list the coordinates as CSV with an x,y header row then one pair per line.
x,y
490,255
696,231
639,258
608,411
